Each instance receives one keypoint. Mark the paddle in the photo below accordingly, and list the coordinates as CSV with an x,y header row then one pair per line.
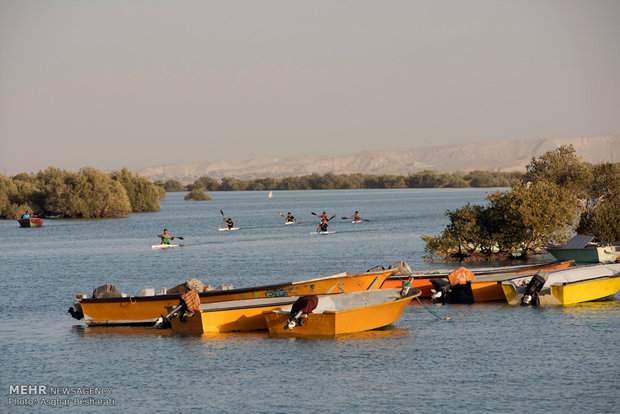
x,y
313,213
349,218
172,237
331,217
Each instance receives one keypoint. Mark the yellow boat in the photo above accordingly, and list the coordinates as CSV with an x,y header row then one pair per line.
x,y
565,287
576,292
228,316
344,313
146,310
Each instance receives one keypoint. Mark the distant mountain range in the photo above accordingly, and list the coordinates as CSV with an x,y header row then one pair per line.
x,y
511,155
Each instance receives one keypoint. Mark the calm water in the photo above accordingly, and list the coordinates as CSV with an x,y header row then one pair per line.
x,y
487,358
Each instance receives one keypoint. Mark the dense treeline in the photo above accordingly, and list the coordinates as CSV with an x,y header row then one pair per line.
x,y
329,181
558,195
87,193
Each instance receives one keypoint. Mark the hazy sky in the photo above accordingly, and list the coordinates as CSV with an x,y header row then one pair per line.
x,y
137,83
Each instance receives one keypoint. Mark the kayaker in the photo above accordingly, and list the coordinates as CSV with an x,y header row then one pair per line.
x,y
323,216
165,238
356,216
27,215
323,226
228,222
290,218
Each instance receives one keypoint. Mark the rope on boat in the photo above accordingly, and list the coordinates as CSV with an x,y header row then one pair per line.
x,y
447,318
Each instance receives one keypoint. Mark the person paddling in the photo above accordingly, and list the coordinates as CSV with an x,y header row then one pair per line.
x,y
166,237
356,216
323,226
290,218
228,222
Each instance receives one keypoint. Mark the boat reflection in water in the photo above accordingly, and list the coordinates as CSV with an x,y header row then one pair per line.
x,y
119,331
602,309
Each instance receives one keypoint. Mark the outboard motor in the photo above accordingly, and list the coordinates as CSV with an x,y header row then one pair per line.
x,y
441,289
300,310
445,292
532,291
188,303
76,311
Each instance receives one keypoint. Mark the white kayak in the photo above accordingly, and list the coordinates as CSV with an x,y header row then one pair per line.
x,y
164,246
228,229
289,222
356,221
323,232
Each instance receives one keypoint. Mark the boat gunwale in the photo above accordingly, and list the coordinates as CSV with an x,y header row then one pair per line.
x,y
518,270
224,292
585,280
413,293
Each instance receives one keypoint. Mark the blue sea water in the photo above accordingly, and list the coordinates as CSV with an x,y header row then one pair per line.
x,y
486,358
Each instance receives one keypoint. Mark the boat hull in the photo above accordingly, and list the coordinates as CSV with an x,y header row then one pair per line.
x,y
336,322
600,254
31,222
230,316
485,288
565,287
145,310
570,293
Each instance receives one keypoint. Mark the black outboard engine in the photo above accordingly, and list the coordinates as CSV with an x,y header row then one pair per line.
x,y
532,291
76,311
444,292
300,310
441,290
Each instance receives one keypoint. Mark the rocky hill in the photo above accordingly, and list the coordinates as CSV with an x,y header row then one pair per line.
x,y
507,155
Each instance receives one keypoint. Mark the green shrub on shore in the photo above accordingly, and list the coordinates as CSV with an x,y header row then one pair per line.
x,y
197,194
87,193
330,181
142,193
557,192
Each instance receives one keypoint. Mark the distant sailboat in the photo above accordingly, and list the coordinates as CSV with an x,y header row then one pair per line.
x,y
270,194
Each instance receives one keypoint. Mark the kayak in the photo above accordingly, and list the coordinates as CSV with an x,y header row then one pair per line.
x,y
323,232
164,246
290,222
228,229
356,221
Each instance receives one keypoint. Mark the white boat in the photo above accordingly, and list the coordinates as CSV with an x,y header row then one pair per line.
x,y
270,195
564,287
323,232
289,222
164,246
228,229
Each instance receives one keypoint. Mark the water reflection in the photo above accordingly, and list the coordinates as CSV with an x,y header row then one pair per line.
x,y
389,333
381,335
119,331
599,310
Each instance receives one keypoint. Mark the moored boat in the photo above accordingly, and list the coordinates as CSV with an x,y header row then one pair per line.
x,y
31,222
484,287
343,313
146,310
564,287
583,249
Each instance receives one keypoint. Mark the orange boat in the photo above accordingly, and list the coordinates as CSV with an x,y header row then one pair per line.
x,y
484,287
31,222
146,310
